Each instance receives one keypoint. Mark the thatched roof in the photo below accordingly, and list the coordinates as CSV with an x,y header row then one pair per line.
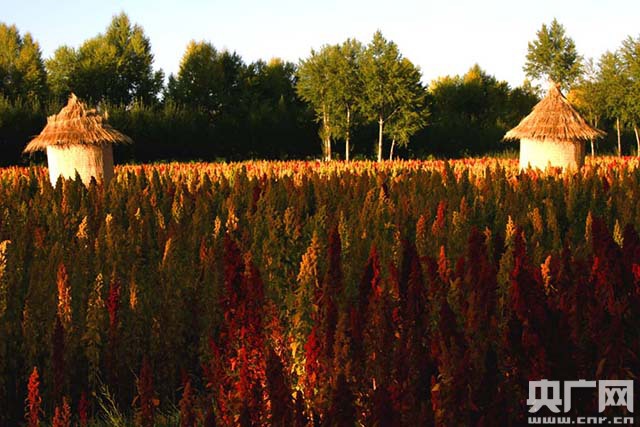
x,y
75,124
554,119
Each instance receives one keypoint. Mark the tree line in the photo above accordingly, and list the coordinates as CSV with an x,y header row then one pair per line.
x,y
346,84
358,100
216,106
606,91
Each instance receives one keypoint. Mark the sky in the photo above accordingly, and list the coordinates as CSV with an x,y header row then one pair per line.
x,y
442,37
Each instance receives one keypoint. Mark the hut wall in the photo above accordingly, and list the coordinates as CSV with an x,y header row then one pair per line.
x,y
88,160
539,154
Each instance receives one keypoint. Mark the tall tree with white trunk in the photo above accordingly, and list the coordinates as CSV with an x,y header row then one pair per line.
x,y
613,84
315,86
630,56
346,87
391,86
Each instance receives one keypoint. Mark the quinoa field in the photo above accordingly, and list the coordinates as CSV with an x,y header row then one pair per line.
x,y
409,293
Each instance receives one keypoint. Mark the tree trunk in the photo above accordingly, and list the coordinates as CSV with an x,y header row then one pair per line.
x,y
393,144
326,137
593,141
348,135
619,141
380,128
635,129
327,144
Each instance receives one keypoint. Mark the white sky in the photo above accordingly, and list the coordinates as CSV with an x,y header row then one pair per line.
x,y
441,37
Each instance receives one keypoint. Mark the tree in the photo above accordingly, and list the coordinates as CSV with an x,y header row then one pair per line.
x,y
471,113
521,100
31,69
391,86
22,73
10,43
134,78
630,55
346,87
404,125
410,118
331,81
252,109
553,56
197,81
276,118
215,84
588,97
612,84
208,79
116,67
61,69
314,86
92,75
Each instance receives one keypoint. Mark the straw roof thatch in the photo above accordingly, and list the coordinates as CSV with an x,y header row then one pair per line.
x,y
554,119
73,125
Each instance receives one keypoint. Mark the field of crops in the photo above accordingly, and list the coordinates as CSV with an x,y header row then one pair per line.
x,y
303,293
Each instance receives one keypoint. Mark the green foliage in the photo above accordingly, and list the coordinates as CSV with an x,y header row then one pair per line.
x,y
344,82
315,86
412,115
111,415
207,78
134,78
609,93
243,110
61,69
391,88
19,121
22,73
471,113
553,55
115,67
218,106
612,84
280,124
347,88
630,55
95,70
163,131
588,95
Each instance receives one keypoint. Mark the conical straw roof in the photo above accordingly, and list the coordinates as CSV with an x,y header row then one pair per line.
x,y
554,119
75,124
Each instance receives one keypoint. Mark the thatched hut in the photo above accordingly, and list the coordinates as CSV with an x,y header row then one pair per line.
x,y
79,140
553,134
